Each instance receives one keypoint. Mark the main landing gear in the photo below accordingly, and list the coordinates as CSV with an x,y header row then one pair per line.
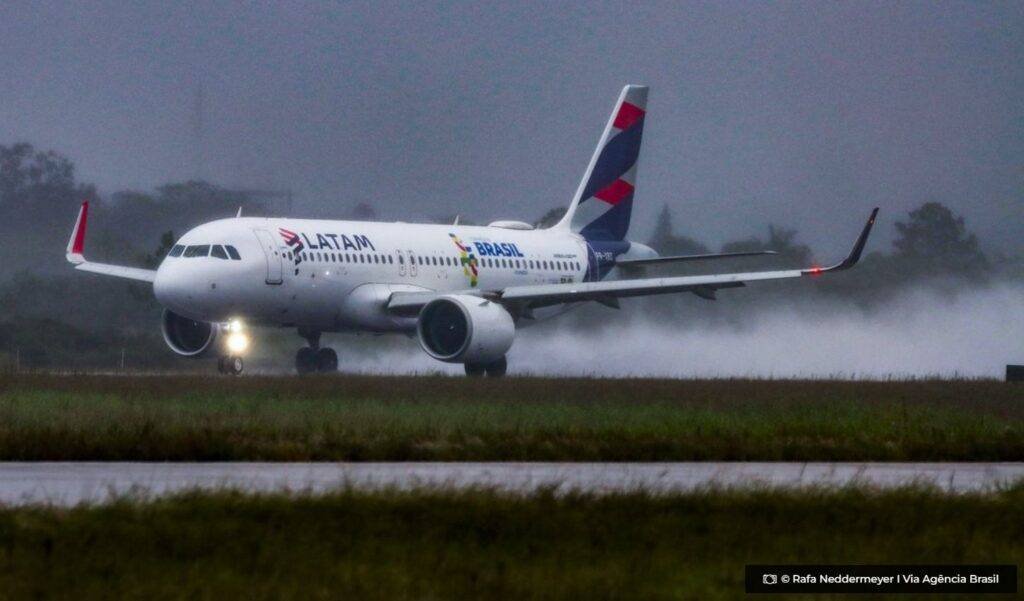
x,y
313,358
494,369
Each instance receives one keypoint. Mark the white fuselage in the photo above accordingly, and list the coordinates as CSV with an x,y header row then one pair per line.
x,y
338,275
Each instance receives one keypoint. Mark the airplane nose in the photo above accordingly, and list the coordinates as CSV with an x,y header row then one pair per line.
x,y
171,288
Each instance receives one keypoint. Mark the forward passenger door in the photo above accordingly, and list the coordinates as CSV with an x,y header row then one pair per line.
x,y
274,254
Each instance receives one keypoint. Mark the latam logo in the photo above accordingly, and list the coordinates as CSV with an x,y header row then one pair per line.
x,y
294,243
502,249
299,242
336,242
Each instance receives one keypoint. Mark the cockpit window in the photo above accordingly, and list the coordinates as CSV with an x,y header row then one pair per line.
x,y
176,251
201,250
218,252
233,253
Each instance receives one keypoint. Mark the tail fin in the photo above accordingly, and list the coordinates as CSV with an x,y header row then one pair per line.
x,y
604,200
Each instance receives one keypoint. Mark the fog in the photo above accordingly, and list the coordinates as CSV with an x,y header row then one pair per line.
x,y
805,114
922,333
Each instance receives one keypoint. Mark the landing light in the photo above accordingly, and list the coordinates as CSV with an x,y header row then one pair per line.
x,y
237,343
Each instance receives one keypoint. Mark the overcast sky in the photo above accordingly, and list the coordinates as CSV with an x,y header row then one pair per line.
x,y
802,114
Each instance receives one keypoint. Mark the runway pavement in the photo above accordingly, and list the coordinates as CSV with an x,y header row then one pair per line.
x,y
72,483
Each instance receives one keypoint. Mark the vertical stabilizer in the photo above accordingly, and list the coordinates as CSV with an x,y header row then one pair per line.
x,y
603,203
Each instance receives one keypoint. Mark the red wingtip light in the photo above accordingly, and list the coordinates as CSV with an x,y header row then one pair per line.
x,y
815,270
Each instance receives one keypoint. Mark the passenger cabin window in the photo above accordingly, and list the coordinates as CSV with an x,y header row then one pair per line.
x,y
176,251
218,252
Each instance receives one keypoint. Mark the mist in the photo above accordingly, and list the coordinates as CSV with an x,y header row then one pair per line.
x,y
922,333
806,114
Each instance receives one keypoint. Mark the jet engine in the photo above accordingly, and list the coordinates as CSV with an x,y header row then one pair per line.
x,y
460,328
188,337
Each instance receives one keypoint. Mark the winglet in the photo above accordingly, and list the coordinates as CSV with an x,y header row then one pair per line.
x,y
76,244
854,256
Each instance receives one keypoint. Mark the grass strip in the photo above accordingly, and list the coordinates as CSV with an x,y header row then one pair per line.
x,y
350,418
482,544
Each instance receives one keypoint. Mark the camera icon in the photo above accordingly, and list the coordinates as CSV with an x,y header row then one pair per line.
x,y
769,579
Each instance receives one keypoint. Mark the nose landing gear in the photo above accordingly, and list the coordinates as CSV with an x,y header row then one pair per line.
x,y
232,366
235,343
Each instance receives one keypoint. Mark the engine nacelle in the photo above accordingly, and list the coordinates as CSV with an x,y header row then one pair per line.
x,y
188,337
459,328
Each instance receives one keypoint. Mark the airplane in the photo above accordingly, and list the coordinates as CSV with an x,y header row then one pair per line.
x,y
461,290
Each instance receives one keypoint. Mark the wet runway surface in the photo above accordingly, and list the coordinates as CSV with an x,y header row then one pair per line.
x,y
72,483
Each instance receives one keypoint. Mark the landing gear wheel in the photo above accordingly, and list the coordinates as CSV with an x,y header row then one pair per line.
x,y
326,361
231,366
475,370
498,368
305,361
234,365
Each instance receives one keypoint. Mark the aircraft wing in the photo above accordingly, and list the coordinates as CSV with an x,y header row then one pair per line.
x,y
76,248
542,295
687,258
118,271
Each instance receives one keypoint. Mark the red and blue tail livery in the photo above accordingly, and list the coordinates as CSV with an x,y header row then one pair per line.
x,y
604,201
